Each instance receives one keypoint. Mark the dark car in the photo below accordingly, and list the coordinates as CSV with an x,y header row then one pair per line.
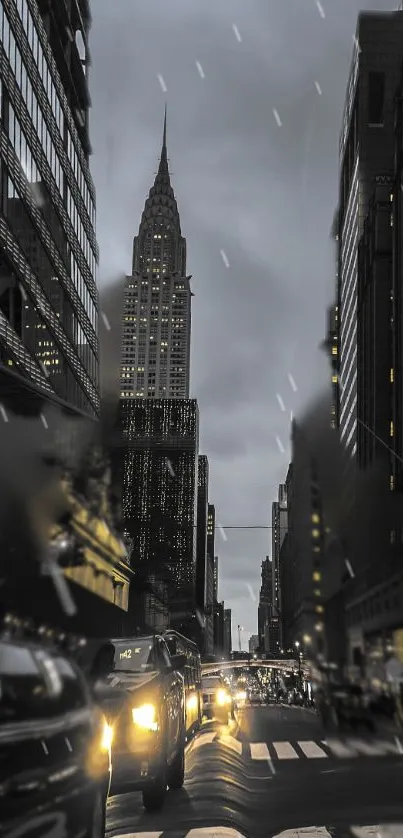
x,y
143,699
54,746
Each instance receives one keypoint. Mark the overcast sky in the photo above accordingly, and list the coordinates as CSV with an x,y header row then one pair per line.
x,y
259,192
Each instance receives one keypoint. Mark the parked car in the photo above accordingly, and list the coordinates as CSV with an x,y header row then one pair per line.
x,y
218,701
55,763
143,698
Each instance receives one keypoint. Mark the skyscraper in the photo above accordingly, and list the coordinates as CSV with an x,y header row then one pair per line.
x,y
158,421
210,584
157,300
48,293
227,632
265,604
366,151
160,475
369,329
202,530
278,532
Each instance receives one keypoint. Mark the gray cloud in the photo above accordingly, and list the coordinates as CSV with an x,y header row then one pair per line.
x,y
263,194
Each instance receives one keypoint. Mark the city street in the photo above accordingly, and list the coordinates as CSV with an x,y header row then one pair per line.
x,y
273,770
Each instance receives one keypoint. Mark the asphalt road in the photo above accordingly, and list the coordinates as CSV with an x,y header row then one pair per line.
x,y
274,770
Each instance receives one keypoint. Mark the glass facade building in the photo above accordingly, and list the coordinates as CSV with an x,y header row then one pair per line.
x,y
48,248
160,439
202,530
366,151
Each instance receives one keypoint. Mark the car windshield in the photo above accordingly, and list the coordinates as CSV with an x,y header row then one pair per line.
x,y
211,683
134,655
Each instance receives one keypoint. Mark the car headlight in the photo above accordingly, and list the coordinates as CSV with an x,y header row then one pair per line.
x,y
107,737
223,697
145,717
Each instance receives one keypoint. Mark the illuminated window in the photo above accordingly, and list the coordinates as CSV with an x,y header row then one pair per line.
x,y
316,576
391,482
315,518
334,379
392,375
315,533
392,429
334,350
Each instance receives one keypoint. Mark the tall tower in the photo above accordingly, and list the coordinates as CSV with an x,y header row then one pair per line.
x,y
157,300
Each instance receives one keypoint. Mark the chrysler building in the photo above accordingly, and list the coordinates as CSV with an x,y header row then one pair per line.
x,y
157,300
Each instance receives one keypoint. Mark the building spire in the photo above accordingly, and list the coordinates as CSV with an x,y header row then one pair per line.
x,y
163,166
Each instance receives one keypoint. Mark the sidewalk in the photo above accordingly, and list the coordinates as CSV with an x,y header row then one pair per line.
x,y
388,727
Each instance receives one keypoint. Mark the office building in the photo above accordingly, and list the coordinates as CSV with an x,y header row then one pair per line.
x,y
369,331
301,553
48,292
160,440
157,300
253,644
219,634
278,532
210,588
202,530
366,151
215,575
227,649
265,607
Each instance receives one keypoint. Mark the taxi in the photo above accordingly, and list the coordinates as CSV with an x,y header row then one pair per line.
x,y
143,699
218,702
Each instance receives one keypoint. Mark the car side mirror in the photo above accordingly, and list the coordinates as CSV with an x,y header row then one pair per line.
x,y
178,662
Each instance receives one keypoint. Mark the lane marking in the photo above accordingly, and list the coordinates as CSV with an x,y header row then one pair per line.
x,y
231,743
312,750
284,750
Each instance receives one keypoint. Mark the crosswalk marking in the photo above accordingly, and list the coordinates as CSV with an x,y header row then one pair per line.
x,y
312,750
284,750
231,743
306,832
259,750
204,739
140,835
215,832
199,832
376,831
